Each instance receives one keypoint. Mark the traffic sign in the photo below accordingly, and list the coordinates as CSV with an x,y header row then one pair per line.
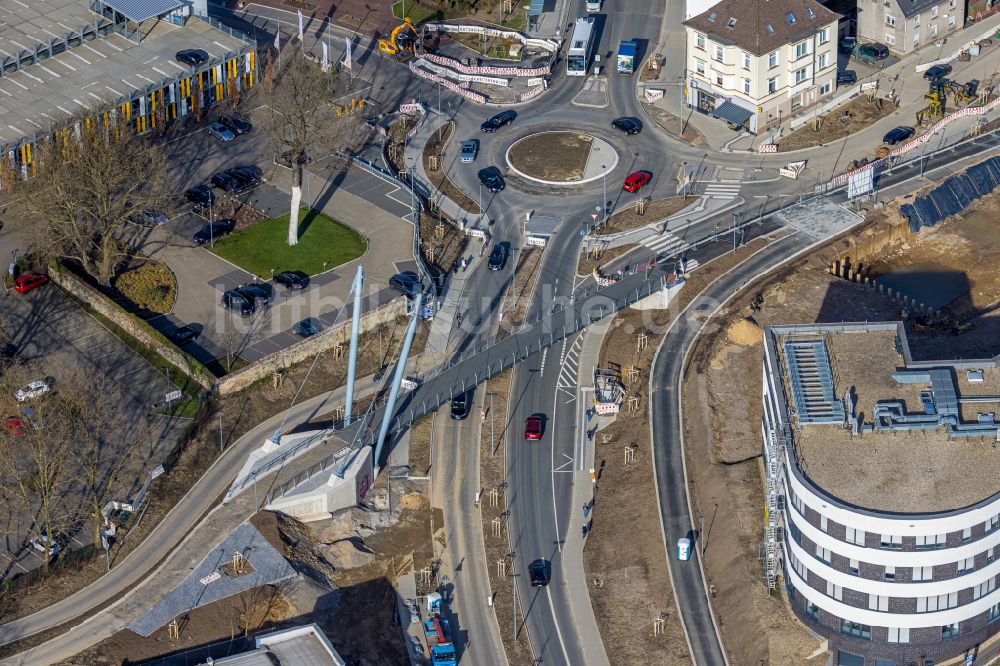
x,y
174,395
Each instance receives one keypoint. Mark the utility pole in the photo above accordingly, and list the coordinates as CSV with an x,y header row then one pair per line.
x,y
220,432
493,448
701,535
734,232
604,200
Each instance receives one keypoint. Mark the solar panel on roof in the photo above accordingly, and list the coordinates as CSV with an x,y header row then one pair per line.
x,y
141,10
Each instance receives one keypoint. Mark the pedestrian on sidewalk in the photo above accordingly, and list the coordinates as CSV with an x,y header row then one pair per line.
x,y
586,510
584,529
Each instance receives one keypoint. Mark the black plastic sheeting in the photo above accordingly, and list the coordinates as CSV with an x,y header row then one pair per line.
x,y
953,195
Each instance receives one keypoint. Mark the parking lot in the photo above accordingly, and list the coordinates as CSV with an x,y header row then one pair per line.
x,y
55,335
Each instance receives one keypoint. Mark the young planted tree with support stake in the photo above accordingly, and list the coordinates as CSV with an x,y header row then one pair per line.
x,y
295,94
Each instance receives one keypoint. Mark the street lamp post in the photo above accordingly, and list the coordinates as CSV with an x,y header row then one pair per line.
x,y
734,232
604,200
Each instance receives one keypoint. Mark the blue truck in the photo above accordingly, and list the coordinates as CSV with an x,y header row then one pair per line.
x,y
438,634
627,51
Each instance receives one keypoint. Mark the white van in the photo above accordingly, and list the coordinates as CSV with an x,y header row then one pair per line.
x,y
684,549
593,6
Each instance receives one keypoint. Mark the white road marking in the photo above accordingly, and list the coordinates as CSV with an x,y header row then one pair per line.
x,y
145,78
160,71
31,76
545,353
43,67
66,65
91,48
115,91
79,57
17,83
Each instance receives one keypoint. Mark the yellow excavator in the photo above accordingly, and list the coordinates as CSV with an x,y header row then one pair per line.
x,y
400,40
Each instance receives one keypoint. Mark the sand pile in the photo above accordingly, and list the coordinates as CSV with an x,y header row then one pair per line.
x,y
745,332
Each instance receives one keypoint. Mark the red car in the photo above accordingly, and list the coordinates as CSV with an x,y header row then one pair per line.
x,y
14,426
29,281
635,181
533,427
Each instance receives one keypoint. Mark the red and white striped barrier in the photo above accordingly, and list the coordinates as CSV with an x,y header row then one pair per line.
x,y
454,87
442,70
516,72
531,94
606,408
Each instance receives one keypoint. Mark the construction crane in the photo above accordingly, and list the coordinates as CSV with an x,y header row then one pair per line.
x,y
400,40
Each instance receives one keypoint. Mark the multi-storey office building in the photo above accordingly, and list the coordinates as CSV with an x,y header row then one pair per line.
x,y
883,495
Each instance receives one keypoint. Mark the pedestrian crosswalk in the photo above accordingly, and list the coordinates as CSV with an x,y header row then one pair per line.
x,y
666,244
715,190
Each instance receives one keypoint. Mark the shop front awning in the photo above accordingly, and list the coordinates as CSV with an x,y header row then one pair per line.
x,y
732,113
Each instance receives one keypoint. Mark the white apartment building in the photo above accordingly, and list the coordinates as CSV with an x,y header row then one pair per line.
x,y
755,63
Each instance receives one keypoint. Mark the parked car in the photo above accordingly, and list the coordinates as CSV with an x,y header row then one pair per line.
x,y
460,406
308,326
235,124
183,335
635,181
407,283
501,119
221,132
848,77
898,135
260,292
14,427
937,72
251,174
151,217
533,427
213,231
285,159
875,51
45,544
593,6
200,195
192,57
28,281
541,572
228,182
847,44
492,179
627,125
469,151
293,281
498,257
235,300
34,389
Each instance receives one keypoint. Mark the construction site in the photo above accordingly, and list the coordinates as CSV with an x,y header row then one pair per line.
x,y
950,265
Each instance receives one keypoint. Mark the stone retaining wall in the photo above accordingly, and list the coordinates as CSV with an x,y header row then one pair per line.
x,y
132,325
308,347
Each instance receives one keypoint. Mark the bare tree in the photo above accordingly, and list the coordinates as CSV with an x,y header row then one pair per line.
x,y
91,181
295,95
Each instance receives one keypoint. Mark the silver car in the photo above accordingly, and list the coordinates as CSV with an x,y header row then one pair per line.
x,y
469,151
33,390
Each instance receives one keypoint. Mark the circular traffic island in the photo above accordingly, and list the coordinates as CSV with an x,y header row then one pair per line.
x,y
561,158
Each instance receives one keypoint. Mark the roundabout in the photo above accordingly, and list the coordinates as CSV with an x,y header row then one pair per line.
x,y
561,158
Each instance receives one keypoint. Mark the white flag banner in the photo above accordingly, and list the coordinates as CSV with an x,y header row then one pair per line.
x,y
325,65
301,38
347,53
277,41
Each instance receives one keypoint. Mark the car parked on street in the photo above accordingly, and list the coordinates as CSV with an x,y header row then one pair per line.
x,y
235,124
192,57
34,389
221,132
635,181
308,326
28,281
898,135
469,151
213,231
533,427
627,125
292,280
541,572
235,300
460,406
492,179
937,72
183,335
498,257
200,195
501,119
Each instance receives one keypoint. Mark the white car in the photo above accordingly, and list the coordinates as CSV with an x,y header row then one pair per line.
x,y
593,6
33,390
40,542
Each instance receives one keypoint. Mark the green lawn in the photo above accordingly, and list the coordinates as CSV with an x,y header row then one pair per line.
x,y
263,247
